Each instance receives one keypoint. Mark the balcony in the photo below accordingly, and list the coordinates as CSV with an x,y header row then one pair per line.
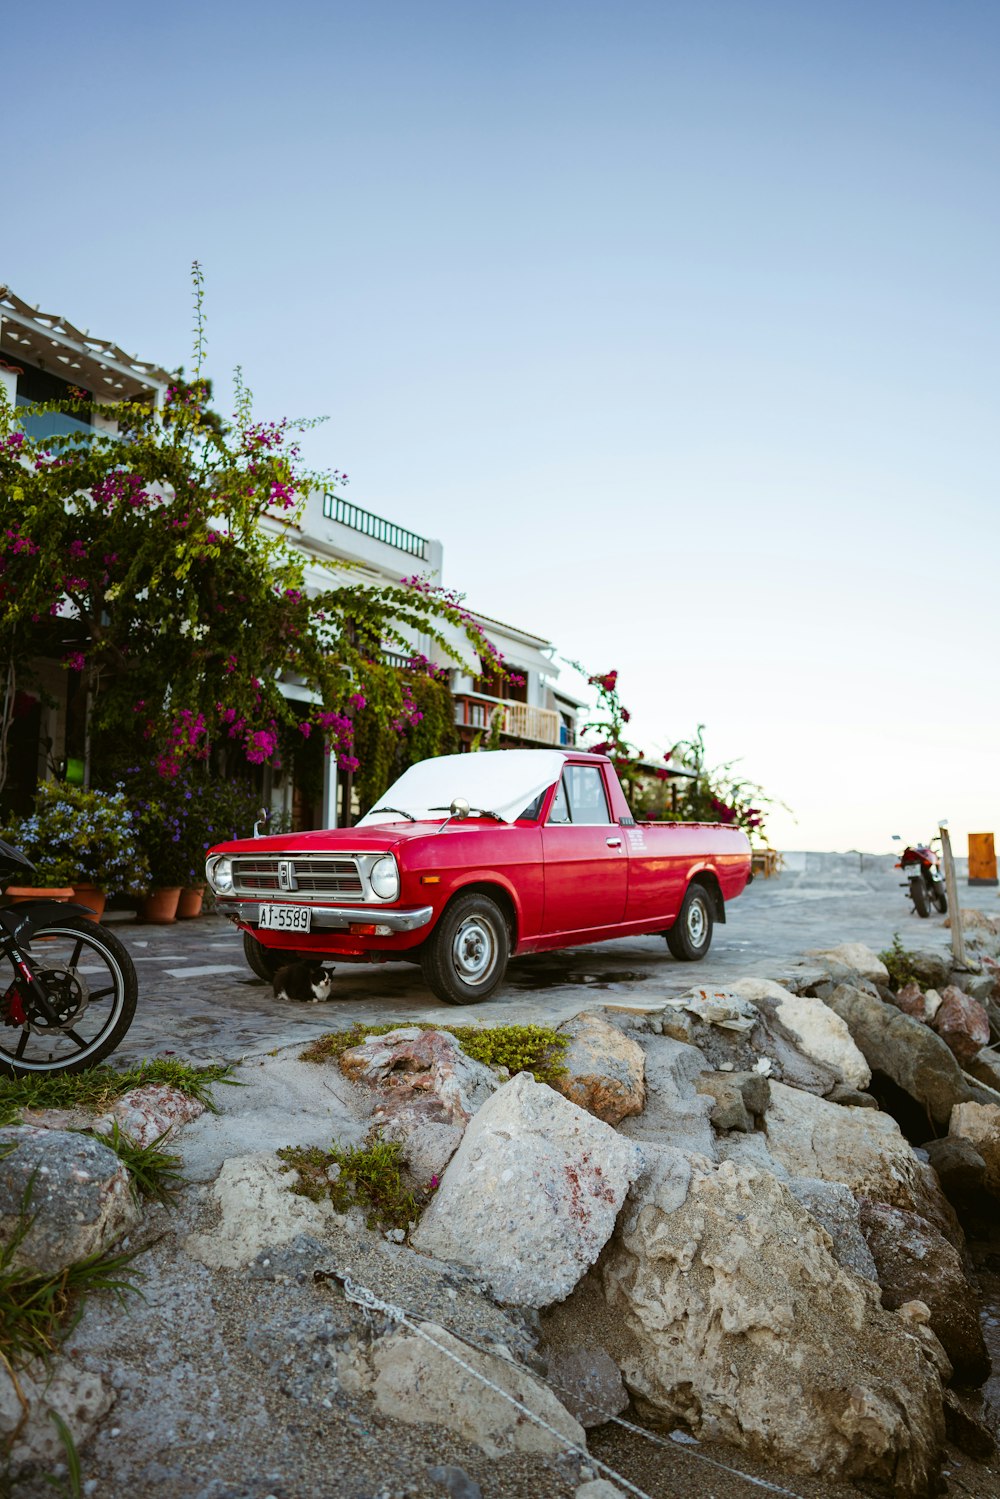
x,y
517,720
335,507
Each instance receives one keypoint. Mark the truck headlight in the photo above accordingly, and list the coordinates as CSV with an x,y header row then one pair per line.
x,y
219,873
384,878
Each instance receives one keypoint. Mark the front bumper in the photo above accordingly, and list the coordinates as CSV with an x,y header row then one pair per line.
x,y
335,918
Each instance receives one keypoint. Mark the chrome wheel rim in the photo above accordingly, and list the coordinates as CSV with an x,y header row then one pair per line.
x,y
697,922
474,951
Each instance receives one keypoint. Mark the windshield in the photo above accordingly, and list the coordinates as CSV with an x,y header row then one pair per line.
x,y
500,781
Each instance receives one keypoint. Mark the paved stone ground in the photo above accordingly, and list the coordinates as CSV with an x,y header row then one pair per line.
x,y
198,999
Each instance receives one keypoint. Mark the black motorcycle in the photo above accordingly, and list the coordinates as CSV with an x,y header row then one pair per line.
x,y
67,987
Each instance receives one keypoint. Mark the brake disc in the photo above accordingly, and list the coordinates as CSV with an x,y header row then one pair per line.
x,y
68,994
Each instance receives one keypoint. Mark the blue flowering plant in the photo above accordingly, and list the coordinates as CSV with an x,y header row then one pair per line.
x,y
181,819
80,837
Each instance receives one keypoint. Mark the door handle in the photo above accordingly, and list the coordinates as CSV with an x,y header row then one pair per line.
x,y
613,842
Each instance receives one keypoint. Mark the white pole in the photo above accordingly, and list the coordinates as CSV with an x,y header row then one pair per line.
x,y
951,885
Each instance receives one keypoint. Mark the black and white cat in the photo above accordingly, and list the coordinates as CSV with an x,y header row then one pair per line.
x,y
303,983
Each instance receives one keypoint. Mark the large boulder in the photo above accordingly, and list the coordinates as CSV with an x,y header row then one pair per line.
x,y
962,1024
73,1187
979,1123
256,1211
604,1068
432,1382
916,1263
904,1049
818,1032
743,1326
425,1072
675,1113
531,1196
147,1113
863,1149
961,1171
851,961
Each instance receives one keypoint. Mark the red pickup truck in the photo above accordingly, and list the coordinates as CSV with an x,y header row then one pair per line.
x,y
470,859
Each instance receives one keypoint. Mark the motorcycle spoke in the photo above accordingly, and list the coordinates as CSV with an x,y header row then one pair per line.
x,y
78,949
19,1051
102,993
74,1037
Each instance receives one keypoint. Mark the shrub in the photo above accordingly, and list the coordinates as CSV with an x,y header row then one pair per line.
x,y
76,837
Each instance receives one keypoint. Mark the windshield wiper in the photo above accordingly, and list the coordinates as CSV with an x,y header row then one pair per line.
x,y
472,812
408,815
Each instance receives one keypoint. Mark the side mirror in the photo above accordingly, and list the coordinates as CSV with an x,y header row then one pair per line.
x,y
459,808
262,822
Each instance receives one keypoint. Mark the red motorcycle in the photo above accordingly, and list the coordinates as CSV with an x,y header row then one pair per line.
x,y
921,868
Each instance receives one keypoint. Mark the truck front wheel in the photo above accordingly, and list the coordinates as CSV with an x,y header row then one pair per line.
x,y
465,957
690,937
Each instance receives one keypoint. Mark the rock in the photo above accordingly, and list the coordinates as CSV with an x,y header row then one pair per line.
x,y
719,1007
981,986
588,1383
985,1068
906,1051
428,1147
973,920
961,1171
80,1199
818,1032
675,1113
598,1488
850,1098
851,961
909,999
932,1003
455,1482
729,1110
257,1211
146,1113
962,1024
424,1072
418,1382
916,1263
979,1123
836,1208
862,1148
931,969
531,1195
967,1432
605,1069
27,1433
746,1329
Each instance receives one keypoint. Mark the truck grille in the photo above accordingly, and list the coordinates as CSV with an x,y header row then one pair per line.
x,y
316,877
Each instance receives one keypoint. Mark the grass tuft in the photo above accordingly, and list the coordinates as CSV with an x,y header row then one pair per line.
x,y
899,961
369,1174
97,1089
153,1173
519,1048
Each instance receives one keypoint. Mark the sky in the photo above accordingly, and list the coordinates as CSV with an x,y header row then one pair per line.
x,y
676,322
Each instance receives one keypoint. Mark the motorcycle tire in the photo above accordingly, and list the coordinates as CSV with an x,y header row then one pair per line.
x,y
940,898
918,895
95,1012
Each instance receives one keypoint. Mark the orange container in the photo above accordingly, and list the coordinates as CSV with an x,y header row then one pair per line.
x,y
982,859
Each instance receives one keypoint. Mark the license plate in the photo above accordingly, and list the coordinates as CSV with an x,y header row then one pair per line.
x,y
285,918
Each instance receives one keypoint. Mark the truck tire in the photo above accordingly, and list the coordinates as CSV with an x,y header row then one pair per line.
x,y
690,937
264,961
465,958
918,895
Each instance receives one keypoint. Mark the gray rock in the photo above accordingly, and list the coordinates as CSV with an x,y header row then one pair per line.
x,y
931,969
961,1171
588,1383
835,1207
455,1481
979,986
80,1196
904,1050
851,1098
531,1195
916,1263
675,1113
27,1434
598,1488
728,1110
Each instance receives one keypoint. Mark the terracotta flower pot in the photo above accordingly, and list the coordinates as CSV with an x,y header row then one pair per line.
x,y
89,895
19,893
160,906
189,904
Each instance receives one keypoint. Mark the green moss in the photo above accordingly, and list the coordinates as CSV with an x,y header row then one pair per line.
x,y
370,1175
519,1048
899,961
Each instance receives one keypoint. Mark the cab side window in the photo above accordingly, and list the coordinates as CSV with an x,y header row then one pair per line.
x,y
581,797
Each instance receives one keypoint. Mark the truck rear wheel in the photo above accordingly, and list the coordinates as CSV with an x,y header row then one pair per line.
x,y
465,958
690,937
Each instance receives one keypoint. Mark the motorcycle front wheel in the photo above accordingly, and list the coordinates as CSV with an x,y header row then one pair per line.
x,y
89,980
918,894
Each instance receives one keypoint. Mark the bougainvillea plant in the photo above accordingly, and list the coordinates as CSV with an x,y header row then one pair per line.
x,y
157,565
697,794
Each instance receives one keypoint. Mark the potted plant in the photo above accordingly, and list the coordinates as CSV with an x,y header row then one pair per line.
x,y
81,842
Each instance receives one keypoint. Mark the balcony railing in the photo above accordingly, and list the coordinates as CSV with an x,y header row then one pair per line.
x,y
518,720
335,507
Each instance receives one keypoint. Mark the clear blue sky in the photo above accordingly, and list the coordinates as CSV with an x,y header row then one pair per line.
x,y
677,323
